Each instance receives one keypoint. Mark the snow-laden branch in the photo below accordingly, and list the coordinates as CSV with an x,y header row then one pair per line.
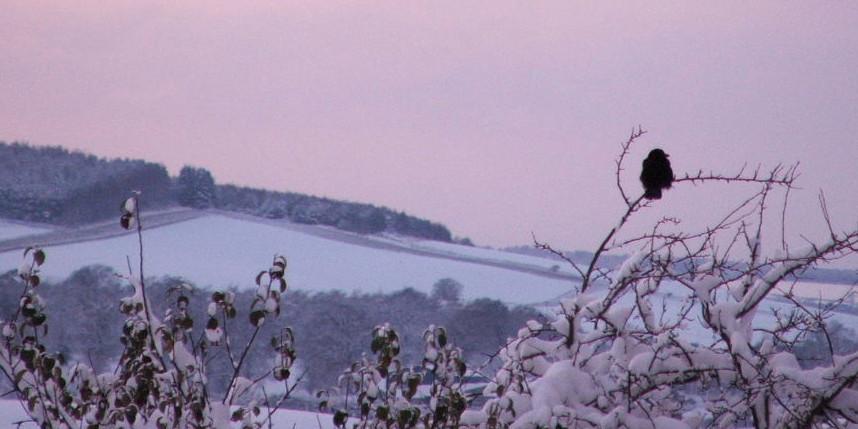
x,y
673,337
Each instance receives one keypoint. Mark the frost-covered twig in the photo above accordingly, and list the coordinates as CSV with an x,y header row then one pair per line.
x,y
625,146
161,378
672,337
547,247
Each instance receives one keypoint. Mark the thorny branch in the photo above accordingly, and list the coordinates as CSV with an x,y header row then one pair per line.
x,y
629,330
780,175
547,247
625,146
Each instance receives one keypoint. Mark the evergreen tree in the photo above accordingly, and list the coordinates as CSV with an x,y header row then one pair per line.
x,y
196,188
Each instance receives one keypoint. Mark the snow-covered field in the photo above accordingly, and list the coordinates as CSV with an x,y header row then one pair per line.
x,y
669,300
11,229
12,412
220,251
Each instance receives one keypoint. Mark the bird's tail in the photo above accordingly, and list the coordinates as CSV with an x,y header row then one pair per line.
x,y
653,193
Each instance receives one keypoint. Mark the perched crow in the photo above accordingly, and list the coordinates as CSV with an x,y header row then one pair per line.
x,y
656,174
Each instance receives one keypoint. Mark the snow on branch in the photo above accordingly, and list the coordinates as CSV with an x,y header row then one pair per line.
x,y
692,331
161,378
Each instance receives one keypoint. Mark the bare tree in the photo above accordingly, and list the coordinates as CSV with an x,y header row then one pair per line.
x,y
675,337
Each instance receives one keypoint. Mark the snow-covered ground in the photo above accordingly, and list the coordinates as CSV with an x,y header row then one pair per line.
x,y
491,255
668,302
11,229
12,412
824,291
220,251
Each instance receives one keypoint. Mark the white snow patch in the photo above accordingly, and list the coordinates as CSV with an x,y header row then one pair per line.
x,y
12,412
12,229
221,251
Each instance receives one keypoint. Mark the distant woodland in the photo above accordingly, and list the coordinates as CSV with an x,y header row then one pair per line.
x,y
54,185
333,329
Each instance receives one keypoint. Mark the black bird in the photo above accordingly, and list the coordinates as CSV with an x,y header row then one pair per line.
x,y
656,174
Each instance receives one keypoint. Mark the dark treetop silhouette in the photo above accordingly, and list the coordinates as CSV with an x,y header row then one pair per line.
x,y
656,174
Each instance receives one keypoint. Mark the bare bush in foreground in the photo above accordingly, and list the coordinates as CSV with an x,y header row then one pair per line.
x,y
677,337
161,380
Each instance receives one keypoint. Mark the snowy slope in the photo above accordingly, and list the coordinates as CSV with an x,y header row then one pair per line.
x,y
10,229
669,300
221,250
12,412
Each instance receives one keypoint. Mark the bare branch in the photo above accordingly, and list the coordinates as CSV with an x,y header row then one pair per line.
x,y
634,135
633,329
780,175
559,254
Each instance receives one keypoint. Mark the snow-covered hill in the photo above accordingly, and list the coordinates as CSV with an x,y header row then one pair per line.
x,y
12,415
14,229
221,249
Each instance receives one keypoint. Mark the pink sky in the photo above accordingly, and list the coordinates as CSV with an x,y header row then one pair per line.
x,y
496,118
